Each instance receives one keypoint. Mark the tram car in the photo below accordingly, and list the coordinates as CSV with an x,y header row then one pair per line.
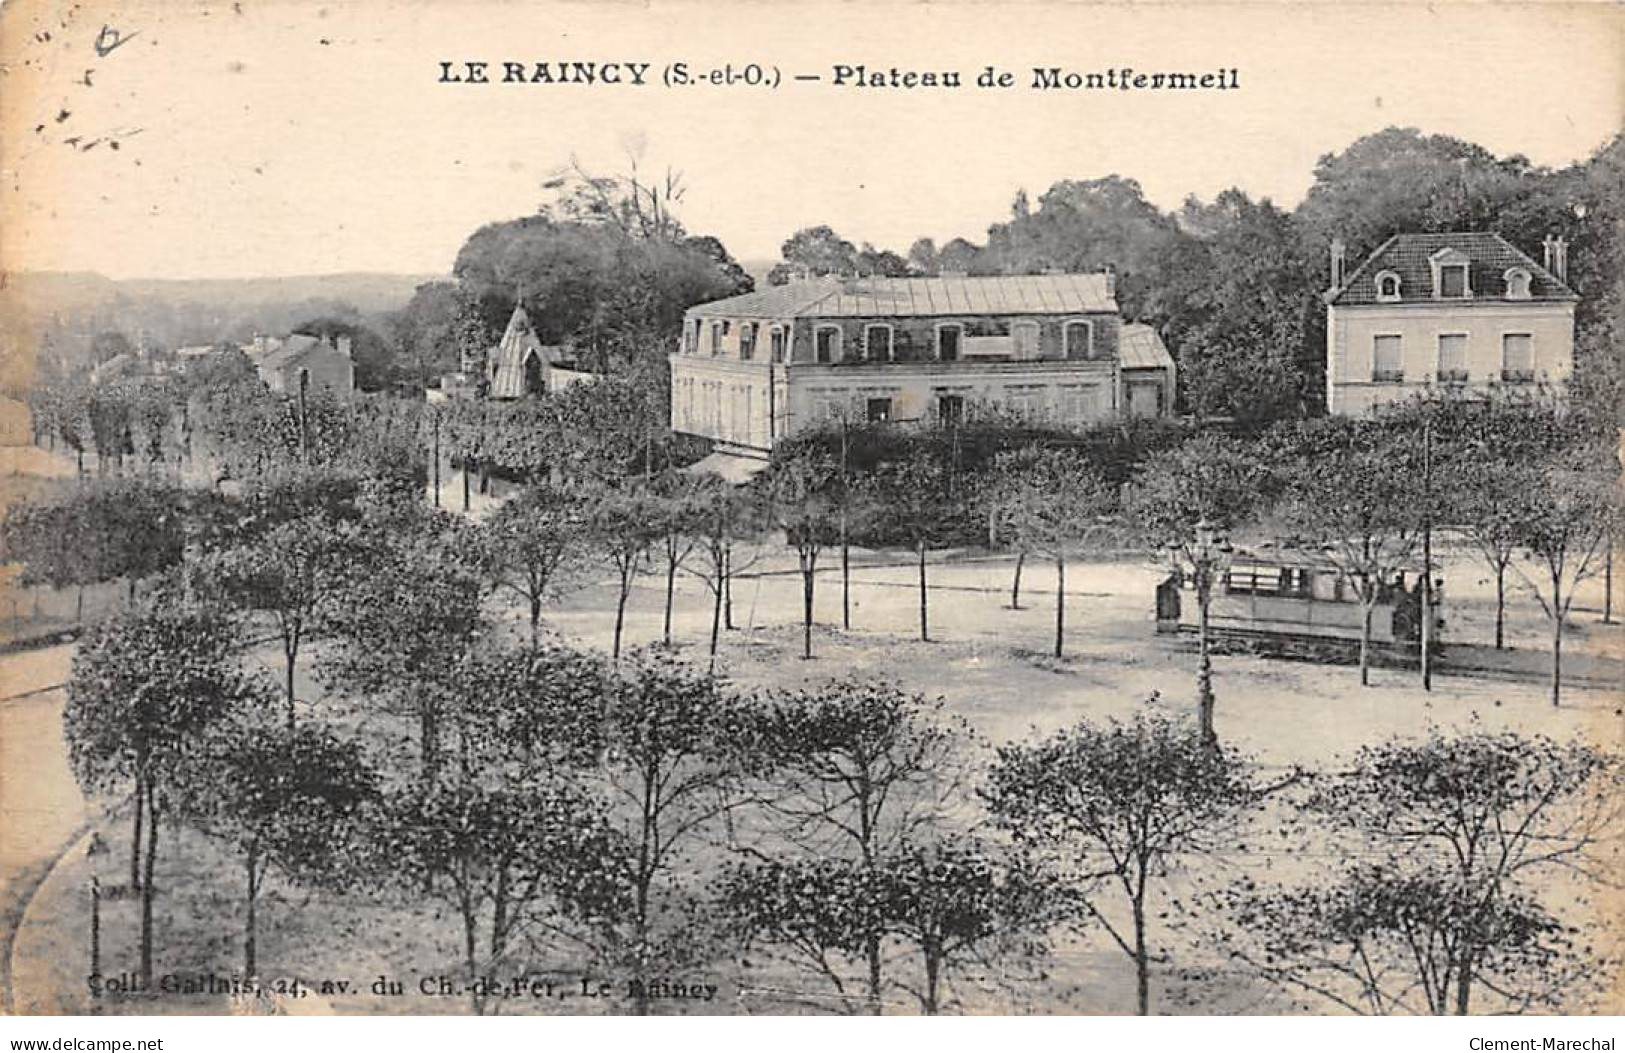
x,y
1297,605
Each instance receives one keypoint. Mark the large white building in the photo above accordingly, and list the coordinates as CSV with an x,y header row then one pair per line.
x,y
755,368
1458,314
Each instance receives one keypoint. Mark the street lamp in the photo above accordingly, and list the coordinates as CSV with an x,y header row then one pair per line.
x,y
1209,556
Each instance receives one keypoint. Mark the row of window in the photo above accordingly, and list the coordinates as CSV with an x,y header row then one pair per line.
x,y
1450,281
1072,405
1517,357
880,341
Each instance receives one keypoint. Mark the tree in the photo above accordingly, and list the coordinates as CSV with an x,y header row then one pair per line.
x,y
679,748
1357,505
797,491
859,769
724,516
409,609
282,797
144,687
499,852
1121,805
910,499
678,507
1183,499
1571,506
814,251
530,539
1492,495
622,525
1064,506
288,571
1455,836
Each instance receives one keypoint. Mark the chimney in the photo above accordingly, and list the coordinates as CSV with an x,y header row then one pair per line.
x,y
344,346
1111,280
1339,262
1557,256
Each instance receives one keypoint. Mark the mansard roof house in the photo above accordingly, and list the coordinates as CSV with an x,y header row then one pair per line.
x,y
752,369
1461,314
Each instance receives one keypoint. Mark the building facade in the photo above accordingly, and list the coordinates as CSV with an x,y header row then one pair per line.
x,y
1463,315
755,368
282,363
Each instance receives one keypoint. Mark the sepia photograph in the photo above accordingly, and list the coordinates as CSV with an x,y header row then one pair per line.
x,y
731,509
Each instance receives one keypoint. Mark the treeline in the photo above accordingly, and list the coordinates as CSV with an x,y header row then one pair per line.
x,y
1233,284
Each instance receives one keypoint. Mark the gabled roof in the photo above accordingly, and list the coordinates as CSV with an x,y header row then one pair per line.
x,y
1058,294
507,366
1489,257
1141,348
291,350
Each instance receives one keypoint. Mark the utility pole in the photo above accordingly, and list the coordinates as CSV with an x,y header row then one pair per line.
x,y
1427,555
846,569
436,416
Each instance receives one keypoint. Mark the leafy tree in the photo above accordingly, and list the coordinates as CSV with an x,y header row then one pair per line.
x,y
531,537
797,489
409,609
1492,495
1118,808
1212,484
1358,506
500,852
725,515
679,748
859,769
622,525
290,571
144,687
1455,835
910,502
282,797
814,251
678,506
1570,509
1063,506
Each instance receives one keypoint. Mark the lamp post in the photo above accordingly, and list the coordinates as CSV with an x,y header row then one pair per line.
x,y
1209,556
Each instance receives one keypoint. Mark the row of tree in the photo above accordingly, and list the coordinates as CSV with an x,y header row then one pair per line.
x,y
642,816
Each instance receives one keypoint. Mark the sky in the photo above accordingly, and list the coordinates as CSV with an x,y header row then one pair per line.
x,y
282,137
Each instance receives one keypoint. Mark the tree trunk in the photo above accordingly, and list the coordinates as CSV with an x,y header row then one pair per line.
x,y
535,615
146,893
290,652
620,609
871,951
1015,584
1365,644
1204,670
135,839
1464,983
846,576
1500,606
671,587
1060,603
933,973
1142,963
1557,654
250,965
807,571
465,484
924,634
716,625
728,588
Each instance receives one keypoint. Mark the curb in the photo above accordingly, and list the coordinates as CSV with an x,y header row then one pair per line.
x,y
16,914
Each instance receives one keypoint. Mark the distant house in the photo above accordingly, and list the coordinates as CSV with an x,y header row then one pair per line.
x,y
120,366
521,364
1458,314
753,369
282,363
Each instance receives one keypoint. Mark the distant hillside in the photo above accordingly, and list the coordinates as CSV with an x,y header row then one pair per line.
x,y
47,291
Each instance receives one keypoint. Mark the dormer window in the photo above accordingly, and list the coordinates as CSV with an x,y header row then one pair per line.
x,y
1517,280
1388,287
1450,275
